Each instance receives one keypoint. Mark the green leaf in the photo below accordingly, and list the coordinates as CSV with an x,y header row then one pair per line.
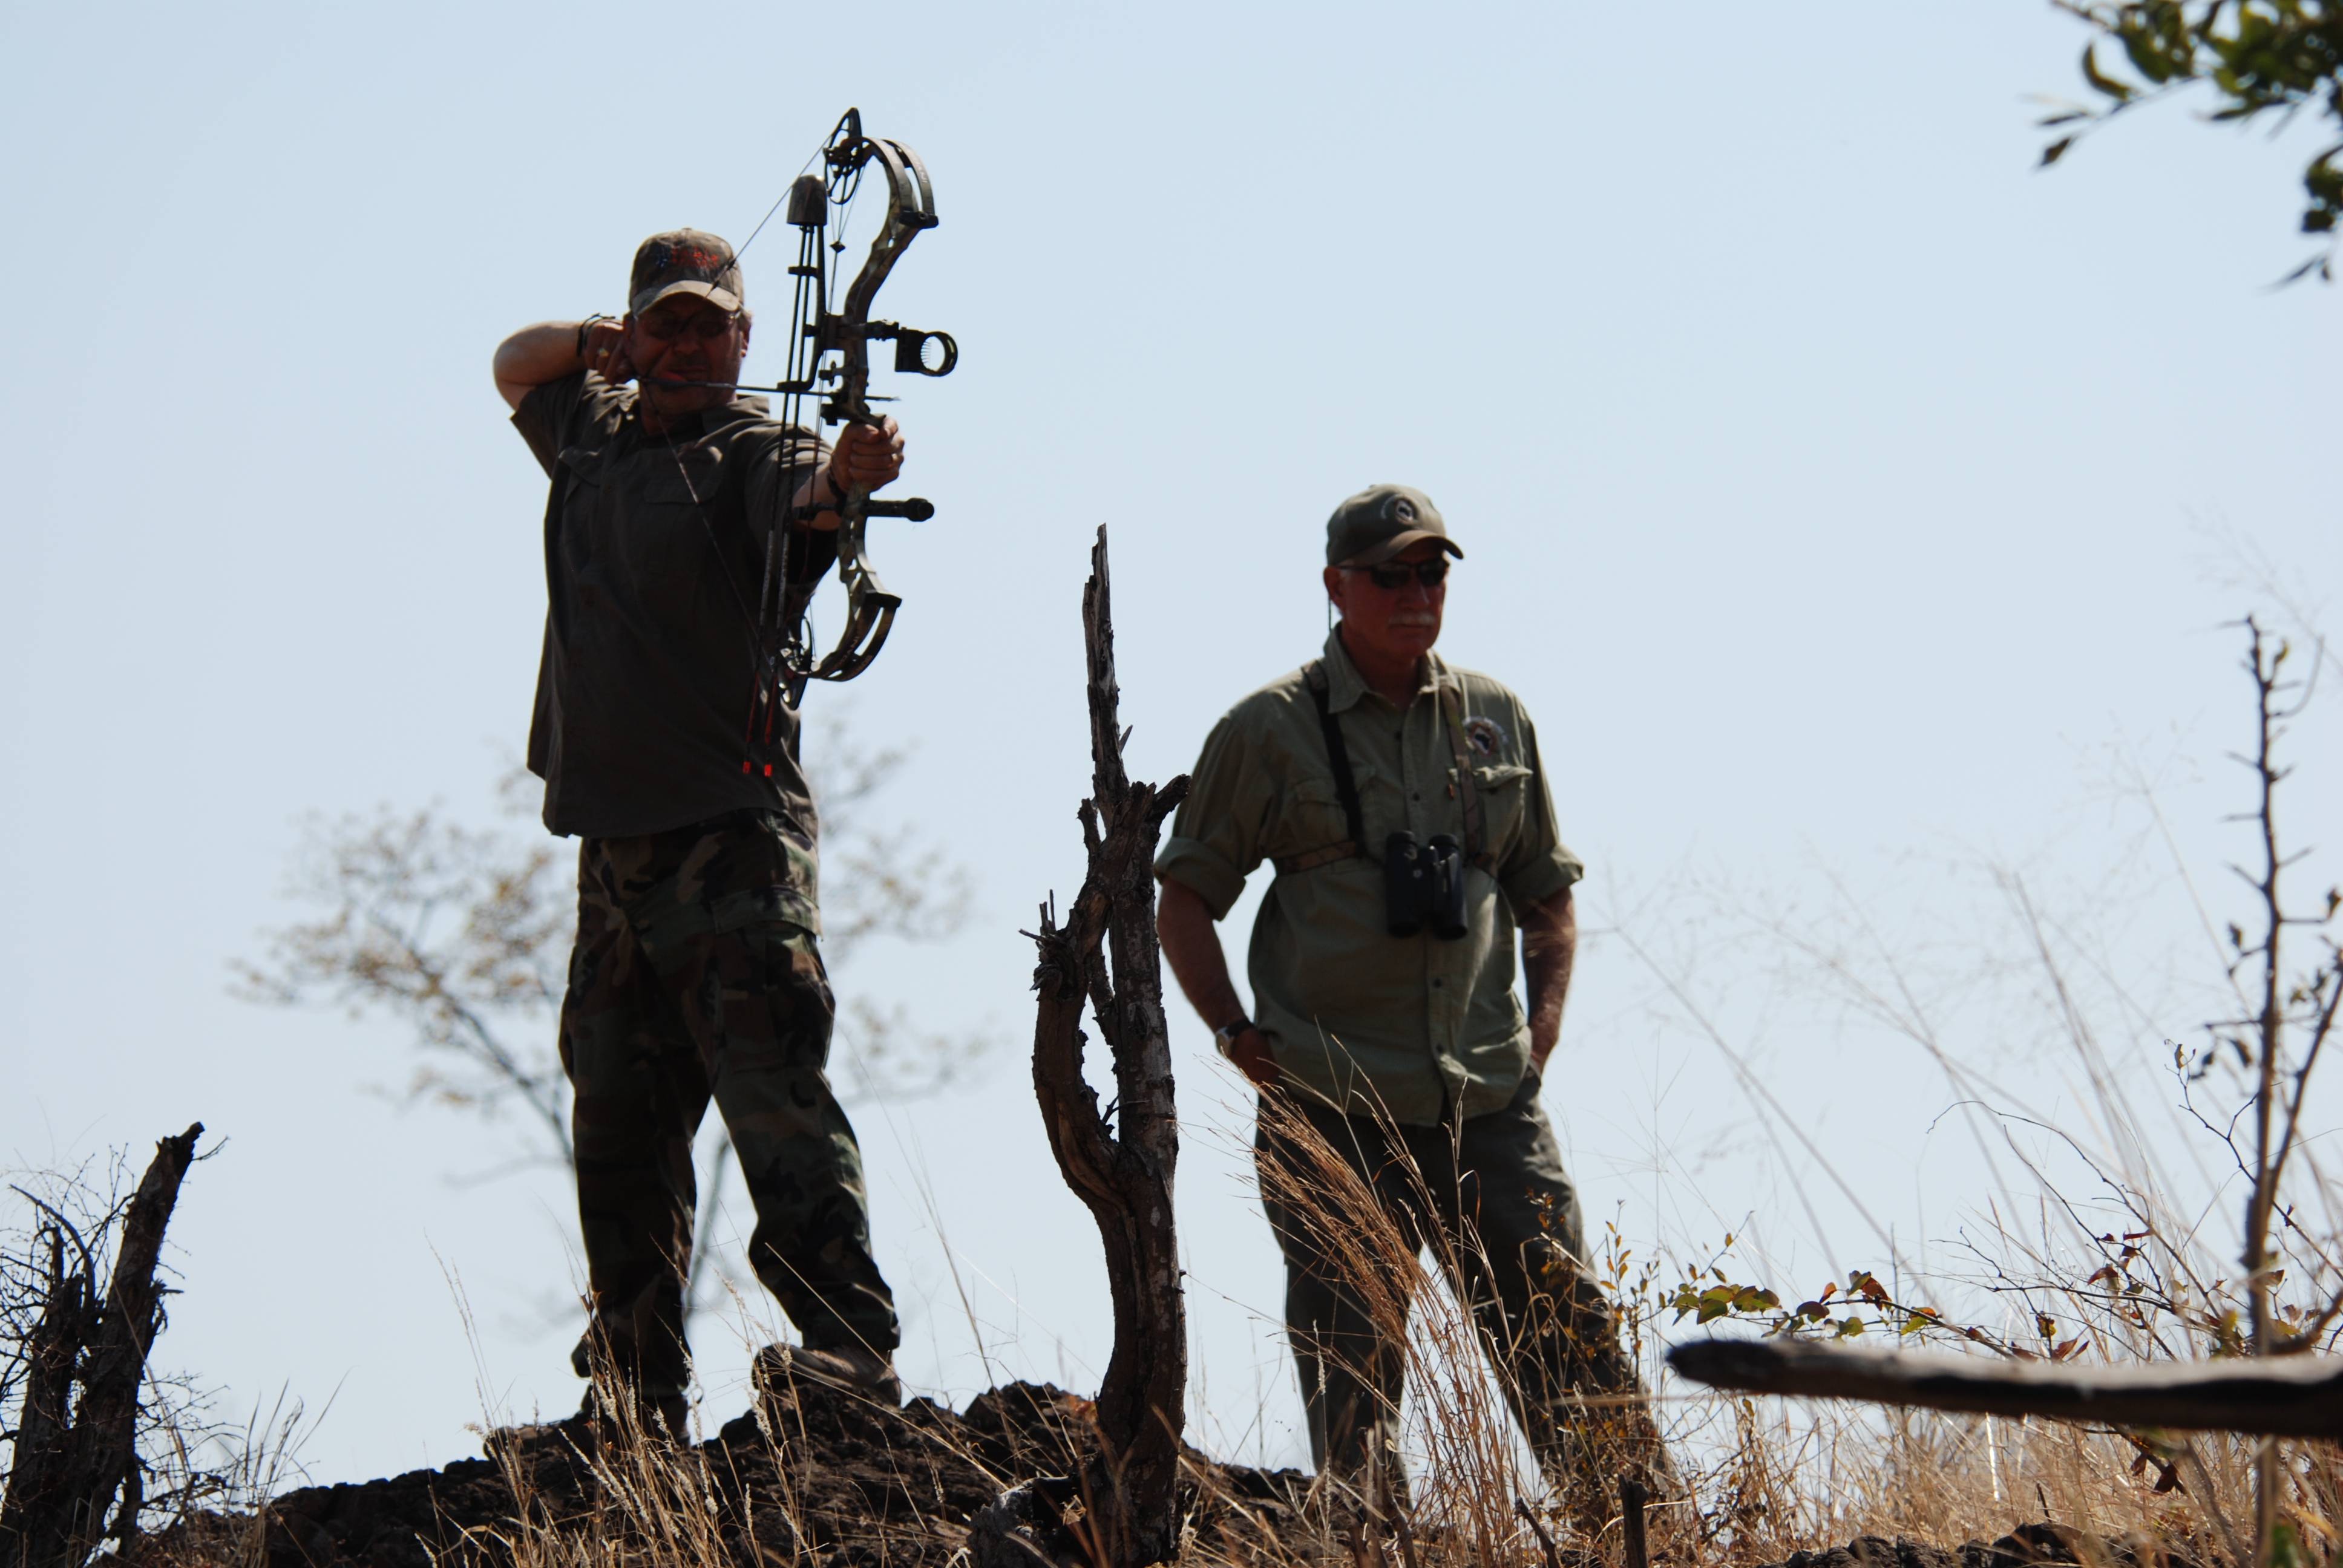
x,y
2054,151
2118,91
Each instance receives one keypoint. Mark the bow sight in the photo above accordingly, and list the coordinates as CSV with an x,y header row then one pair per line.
x,y
829,358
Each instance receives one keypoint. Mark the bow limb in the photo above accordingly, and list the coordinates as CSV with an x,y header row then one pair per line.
x,y
869,607
911,208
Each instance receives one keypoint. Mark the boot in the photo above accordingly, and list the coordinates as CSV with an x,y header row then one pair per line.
x,y
851,1369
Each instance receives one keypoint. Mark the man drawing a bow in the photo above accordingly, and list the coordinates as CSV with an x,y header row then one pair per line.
x,y
683,535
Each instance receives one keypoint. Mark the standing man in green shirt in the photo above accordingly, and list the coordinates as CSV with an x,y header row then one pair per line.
x,y
1405,807
684,531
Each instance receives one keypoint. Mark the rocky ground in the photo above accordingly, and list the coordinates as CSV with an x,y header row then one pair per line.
x,y
835,1482
2026,1545
830,1480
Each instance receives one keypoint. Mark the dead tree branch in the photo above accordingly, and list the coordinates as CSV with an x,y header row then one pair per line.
x,y
1122,1173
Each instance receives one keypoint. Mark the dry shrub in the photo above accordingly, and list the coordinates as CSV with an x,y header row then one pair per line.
x,y
60,1253
1766,1478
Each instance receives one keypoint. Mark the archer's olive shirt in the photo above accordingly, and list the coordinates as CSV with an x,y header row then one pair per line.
x,y
655,547
1430,1028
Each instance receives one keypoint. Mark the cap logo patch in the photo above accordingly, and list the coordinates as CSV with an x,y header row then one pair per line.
x,y
664,256
1399,508
1486,736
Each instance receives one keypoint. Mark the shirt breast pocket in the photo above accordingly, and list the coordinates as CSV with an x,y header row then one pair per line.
x,y
581,478
1313,817
681,479
671,536
1504,792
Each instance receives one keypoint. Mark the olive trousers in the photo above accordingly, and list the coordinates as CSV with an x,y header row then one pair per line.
x,y
1490,1197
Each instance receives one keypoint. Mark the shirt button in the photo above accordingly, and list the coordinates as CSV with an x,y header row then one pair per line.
x,y
1435,982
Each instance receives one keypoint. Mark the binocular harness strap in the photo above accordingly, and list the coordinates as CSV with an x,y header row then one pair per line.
x,y
1346,788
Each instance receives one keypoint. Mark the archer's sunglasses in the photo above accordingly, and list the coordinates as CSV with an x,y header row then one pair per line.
x,y
705,327
1394,574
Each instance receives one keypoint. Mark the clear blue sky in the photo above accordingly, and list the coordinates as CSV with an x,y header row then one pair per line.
x,y
1836,489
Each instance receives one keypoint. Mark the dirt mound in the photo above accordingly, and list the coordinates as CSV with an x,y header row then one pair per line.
x,y
826,1477
2025,1546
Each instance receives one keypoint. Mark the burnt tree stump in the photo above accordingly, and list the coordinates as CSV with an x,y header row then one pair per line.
x,y
76,1478
1124,1172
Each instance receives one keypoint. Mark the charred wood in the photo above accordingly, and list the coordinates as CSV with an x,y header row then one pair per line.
x,y
2284,1396
75,1480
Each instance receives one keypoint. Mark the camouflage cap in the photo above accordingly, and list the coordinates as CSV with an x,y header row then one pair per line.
x,y
684,261
1379,522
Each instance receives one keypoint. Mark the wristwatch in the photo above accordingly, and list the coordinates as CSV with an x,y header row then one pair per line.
x,y
1225,1037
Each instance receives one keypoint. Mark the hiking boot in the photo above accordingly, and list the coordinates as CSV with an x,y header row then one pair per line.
x,y
850,1369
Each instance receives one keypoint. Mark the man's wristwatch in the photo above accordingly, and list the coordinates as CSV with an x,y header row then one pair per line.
x,y
1225,1037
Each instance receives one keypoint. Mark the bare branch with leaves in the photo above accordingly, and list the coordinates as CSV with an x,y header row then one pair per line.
x,y
455,931
2260,57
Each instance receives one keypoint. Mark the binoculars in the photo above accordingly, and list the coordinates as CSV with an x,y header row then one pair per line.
x,y
1424,885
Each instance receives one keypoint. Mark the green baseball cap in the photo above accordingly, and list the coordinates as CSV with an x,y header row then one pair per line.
x,y
684,261
1379,522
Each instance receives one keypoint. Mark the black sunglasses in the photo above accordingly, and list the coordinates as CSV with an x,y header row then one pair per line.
x,y
705,327
1394,574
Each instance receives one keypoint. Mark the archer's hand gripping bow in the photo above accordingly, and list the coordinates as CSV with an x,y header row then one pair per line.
x,y
817,334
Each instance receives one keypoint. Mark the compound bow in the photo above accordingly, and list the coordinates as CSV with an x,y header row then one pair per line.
x,y
829,358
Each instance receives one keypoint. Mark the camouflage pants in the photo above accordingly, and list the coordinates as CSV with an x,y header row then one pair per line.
x,y
694,975
1502,1219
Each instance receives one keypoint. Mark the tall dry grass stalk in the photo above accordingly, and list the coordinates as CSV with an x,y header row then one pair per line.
x,y
1464,1502
2112,1232
656,1504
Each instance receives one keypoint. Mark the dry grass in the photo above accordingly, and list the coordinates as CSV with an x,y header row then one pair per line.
x,y
1764,1478
1768,1478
